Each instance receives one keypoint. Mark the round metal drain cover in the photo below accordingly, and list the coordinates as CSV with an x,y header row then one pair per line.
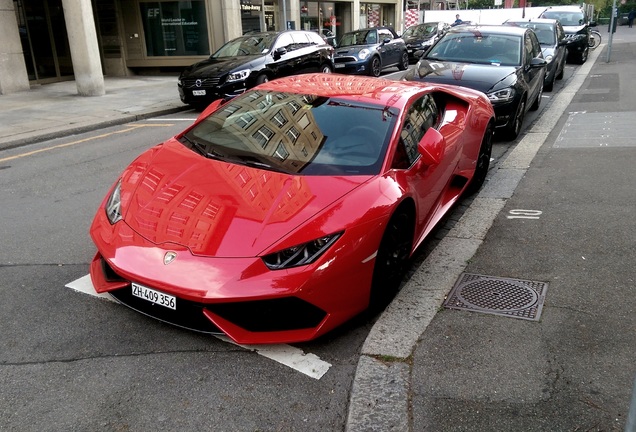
x,y
497,295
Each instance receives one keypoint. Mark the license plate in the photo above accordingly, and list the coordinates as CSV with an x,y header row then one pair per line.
x,y
198,92
339,65
154,296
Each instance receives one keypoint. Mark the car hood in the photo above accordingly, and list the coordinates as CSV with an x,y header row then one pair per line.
x,y
216,66
418,39
172,195
476,76
353,49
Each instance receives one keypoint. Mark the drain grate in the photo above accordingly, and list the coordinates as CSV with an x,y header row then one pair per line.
x,y
515,298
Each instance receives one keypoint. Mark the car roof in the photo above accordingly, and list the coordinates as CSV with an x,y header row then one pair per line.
x,y
534,20
573,8
376,91
489,29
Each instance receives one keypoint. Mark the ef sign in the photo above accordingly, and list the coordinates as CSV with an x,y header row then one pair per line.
x,y
153,12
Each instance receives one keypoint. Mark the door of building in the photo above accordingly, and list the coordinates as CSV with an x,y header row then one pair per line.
x,y
44,40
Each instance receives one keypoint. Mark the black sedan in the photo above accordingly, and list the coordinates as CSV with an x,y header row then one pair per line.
x,y
553,46
370,51
420,37
252,59
505,62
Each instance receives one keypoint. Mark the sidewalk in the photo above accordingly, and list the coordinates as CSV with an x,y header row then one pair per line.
x,y
55,110
561,207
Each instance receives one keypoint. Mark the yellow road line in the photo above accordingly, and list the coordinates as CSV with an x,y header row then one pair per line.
x,y
133,127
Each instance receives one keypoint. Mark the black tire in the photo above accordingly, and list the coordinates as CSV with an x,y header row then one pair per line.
x,y
326,68
559,74
580,58
537,101
375,66
514,128
392,259
550,85
483,162
404,61
262,78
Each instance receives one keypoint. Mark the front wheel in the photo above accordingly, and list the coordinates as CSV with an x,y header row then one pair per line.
x,y
392,259
375,67
514,127
325,68
537,101
262,78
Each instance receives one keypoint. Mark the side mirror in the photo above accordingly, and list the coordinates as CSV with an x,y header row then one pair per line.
x,y
279,52
210,109
386,40
431,147
537,62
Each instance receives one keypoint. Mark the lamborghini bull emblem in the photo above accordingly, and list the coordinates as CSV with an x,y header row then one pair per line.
x,y
169,257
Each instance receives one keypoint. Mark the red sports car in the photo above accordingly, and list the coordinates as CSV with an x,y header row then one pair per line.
x,y
284,212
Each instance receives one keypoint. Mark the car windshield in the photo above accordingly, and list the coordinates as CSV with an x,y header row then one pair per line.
x,y
477,47
544,32
566,18
423,30
296,133
246,45
360,37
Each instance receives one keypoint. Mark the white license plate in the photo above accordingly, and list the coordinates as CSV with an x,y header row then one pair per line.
x,y
154,296
337,65
198,92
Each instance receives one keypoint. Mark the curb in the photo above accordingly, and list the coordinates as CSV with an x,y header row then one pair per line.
x,y
380,395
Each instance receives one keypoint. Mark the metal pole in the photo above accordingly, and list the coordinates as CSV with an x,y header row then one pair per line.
x,y
611,31
285,15
630,426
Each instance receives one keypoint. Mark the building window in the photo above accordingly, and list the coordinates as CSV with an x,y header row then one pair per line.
x,y
280,119
245,120
263,135
175,28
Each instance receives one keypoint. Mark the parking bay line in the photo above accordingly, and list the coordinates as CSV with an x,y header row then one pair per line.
x,y
305,363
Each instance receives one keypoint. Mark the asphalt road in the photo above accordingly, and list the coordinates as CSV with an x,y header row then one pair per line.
x,y
74,362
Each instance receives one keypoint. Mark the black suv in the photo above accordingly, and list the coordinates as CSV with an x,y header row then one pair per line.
x,y
576,25
252,59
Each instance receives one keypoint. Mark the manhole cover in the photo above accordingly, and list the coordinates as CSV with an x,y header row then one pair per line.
x,y
500,296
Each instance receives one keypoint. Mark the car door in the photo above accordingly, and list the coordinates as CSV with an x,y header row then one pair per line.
x,y
561,50
284,59
532,75
389,51
425,182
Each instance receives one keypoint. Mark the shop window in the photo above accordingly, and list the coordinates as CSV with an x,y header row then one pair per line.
x,y
175,28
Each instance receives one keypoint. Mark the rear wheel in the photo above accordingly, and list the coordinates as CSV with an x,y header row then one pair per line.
x,y
392,259
375,67
483,162
404,61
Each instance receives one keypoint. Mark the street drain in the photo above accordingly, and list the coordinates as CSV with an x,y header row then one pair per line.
x,y
515,298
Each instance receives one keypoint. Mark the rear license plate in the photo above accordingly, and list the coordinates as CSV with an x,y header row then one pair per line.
x,y
154,296
339,65
198,92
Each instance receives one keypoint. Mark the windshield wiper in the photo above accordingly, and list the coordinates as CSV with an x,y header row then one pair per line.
x,y
203,149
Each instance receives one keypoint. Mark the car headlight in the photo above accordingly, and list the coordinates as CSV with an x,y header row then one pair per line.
x,y
505,95
548,58
300,255
238,75
113,205
364,53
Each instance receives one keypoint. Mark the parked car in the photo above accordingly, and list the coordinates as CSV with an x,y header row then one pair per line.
x,y
505,62
327,35
553,46
370,51
576,25
252,59
420,37
283,212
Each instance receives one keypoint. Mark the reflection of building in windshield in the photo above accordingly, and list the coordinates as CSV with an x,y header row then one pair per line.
x,y
275,126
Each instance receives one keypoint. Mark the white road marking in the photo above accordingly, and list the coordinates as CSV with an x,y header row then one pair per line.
x,y
295,358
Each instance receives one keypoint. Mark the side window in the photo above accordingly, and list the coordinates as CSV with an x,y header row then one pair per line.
x,y
536,46
421,115
300,40
528,49
383,34
285,41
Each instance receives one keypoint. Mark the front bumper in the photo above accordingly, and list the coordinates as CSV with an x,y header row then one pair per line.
x,y
351,65
505,113
207,91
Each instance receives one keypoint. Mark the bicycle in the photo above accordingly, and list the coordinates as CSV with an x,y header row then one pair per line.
x,y
594,40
